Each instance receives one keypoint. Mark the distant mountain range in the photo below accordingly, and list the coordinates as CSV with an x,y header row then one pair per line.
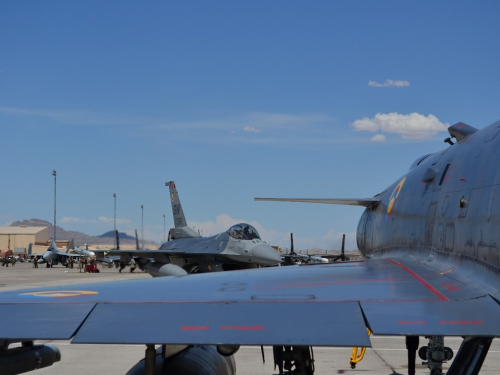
x,y
81,238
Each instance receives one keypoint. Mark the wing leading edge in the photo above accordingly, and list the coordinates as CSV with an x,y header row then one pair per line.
x,y
364,202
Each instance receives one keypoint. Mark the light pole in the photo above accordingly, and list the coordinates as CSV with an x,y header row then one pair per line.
x,y
164,228
142,226
114,220
54,173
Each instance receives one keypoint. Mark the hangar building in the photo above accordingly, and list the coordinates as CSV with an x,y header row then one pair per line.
x,y
17,238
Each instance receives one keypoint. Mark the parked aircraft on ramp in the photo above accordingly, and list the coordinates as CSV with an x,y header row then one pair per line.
x,y
296,258
433,270
240,247
56,256
78,250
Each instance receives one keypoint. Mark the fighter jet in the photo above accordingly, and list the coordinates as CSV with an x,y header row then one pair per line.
x,y
56,256
297,258
77,250
240,247
433,270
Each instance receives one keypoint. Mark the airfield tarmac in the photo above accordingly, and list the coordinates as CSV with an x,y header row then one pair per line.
x,y
386,357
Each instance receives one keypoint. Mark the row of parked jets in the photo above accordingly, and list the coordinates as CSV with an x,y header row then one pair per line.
x,y
186,252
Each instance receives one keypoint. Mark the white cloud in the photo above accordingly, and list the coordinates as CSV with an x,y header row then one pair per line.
x,y
412,126
251,129
76,220
100,220
252,120
289,130
389,83
249,121
104,219
378,138
72,116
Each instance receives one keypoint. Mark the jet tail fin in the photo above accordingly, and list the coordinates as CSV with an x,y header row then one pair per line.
x,y
364,202
53,245
181,229
70,246
179,218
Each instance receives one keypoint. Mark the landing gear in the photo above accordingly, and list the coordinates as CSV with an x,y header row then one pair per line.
x,y
412,347
435,354
296,360
150,360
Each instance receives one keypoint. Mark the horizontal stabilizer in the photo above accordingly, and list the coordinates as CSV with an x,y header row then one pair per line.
x,y
364,202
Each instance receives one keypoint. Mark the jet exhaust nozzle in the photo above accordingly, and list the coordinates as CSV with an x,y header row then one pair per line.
x,y
24,359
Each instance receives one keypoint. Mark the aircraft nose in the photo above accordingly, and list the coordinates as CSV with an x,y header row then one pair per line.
x,y
265,255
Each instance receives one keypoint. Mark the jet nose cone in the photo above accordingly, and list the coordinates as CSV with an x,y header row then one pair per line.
x,y
265,255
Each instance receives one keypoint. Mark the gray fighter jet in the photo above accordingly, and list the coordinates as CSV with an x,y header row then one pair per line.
x,y
240,247
56,256
78,250
297,258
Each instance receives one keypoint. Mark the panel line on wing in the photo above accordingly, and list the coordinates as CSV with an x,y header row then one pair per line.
x,y
83,321
422,281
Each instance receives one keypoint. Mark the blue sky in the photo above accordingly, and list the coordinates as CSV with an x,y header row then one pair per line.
x,y
232,100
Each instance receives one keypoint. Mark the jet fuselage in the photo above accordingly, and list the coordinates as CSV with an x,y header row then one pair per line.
x,y
446,207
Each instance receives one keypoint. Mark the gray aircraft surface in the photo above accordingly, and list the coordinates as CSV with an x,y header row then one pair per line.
x,y
432,270
240,247
56,256
78,250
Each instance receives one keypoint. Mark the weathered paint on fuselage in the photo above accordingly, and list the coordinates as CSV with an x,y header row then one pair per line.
x,y
456,216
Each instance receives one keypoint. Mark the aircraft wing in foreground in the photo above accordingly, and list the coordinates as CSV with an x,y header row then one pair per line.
x,y
402,296
432,270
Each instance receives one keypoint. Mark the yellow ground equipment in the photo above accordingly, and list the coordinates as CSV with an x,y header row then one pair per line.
x,y
355,357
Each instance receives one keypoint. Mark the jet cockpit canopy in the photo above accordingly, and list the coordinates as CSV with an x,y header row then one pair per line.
x,y
243,231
